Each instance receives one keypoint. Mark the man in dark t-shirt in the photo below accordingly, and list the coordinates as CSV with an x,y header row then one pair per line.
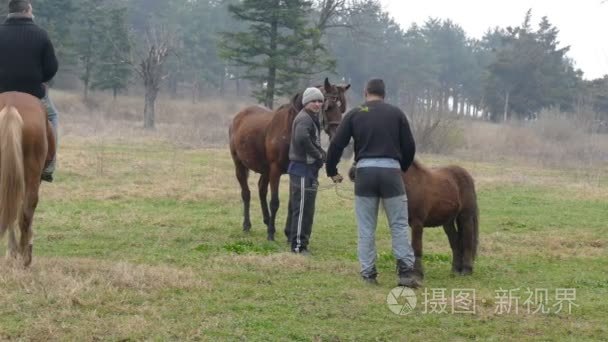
x,y
384,147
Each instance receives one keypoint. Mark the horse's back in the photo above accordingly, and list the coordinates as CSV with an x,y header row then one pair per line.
x,y
247,137
34,119
30,107
438,194
465,182
251,118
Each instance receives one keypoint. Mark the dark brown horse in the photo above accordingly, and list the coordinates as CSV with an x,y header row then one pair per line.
x,y
26,145
443,196
259,141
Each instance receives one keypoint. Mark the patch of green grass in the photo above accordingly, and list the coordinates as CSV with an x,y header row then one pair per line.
x,y
248,246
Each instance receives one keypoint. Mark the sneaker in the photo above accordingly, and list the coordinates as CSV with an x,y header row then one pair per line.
x,y
303,252
409,280
370,280
47,177
407,276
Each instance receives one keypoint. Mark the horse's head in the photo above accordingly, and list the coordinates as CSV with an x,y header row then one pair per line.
x,y
334,106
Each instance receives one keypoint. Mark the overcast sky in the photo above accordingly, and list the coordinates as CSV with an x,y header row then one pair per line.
x,y
583,24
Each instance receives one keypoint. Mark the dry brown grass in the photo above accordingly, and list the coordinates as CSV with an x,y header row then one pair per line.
x,y
64,278
89,298
552,143
546,244
184,123
555,140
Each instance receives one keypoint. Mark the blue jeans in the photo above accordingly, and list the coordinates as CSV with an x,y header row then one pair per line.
x,y
53,118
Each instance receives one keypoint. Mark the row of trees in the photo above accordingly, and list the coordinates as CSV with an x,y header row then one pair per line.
x,y
274,47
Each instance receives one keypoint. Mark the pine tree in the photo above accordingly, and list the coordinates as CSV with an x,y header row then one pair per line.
x,y
277,49
57,17
113,71
91,26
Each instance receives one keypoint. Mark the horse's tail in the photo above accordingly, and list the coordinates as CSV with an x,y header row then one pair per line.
x,y
470,219
475,228
12,179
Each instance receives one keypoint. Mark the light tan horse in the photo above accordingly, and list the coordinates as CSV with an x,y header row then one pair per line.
x,y
26,145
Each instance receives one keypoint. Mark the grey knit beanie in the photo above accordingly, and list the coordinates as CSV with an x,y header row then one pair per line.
x,y
311,94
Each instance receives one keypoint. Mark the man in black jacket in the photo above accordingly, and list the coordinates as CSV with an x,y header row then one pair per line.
x,y
28,61
384,147
306,157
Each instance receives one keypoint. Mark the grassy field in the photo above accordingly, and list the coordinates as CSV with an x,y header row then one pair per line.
x,y
138,240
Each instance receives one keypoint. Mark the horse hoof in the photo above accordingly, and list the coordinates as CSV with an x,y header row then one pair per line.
x,y
270,237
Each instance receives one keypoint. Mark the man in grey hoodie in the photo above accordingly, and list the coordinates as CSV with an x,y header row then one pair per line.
x,y
306,158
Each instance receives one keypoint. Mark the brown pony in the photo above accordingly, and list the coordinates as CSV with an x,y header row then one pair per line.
x,y
26,145
259,141
445,197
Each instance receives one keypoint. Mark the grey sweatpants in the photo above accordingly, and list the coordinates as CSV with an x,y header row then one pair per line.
x,y
373,185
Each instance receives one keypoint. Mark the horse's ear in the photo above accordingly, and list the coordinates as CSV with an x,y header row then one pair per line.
x,y
346,87
327,85
296,102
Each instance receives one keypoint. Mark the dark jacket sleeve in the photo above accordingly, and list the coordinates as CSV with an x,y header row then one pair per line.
x,y
49,61
408,146
304,135
316,144
338,144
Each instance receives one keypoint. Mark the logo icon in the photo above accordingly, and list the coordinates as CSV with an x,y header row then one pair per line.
x,y
401,300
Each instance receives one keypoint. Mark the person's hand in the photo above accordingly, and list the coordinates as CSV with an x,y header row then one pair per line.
x,y
324,156
337,178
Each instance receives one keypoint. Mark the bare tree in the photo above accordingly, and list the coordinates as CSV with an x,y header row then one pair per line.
x,y
149,66
333,12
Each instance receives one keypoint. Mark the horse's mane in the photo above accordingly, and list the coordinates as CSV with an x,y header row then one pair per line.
x,y
417,163
296,101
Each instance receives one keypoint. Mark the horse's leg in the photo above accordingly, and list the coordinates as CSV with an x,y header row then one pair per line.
x,y
11,252
242,173
27,233
417,246
263,191
466,230
275,178
455,244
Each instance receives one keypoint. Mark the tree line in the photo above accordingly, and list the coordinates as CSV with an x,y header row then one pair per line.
x,y
271,48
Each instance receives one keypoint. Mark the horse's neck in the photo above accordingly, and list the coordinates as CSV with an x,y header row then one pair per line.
x,y
291,116
283,119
